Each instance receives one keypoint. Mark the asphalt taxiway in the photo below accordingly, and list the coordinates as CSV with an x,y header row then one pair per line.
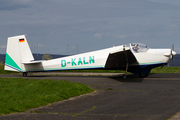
x,y
155,97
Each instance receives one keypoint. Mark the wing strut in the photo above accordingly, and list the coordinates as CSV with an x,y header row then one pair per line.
x,y
120,59
124,76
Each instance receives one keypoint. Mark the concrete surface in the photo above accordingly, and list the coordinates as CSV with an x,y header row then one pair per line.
x,y
154,98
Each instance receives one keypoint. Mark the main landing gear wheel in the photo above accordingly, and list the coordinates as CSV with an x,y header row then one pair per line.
x,y
142,75
124,76
24,74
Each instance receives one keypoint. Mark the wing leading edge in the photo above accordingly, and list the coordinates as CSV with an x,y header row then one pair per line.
x,y
118,59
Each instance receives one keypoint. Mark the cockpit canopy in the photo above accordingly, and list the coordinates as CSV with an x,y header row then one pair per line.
x,y
137,47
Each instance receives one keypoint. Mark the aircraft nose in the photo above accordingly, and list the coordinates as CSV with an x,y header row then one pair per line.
x,y
167,54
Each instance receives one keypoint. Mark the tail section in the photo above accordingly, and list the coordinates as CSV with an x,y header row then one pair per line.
x,y
17,52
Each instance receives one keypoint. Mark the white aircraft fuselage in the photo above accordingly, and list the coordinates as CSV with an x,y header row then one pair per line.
x,y
134,57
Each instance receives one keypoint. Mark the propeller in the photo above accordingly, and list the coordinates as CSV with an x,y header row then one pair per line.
x,y
172,55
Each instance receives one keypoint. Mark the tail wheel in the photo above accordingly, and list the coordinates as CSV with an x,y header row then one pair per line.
x,y
25,74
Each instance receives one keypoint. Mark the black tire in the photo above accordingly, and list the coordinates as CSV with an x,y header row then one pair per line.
x,y
142,75
124,77
24,74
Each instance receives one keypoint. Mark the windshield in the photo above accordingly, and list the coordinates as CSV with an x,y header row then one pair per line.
x,y
138,47
127,45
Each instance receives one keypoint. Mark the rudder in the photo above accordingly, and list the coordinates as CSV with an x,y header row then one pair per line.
x,y
17,52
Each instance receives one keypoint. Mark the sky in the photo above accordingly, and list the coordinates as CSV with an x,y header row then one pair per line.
x,y
77,26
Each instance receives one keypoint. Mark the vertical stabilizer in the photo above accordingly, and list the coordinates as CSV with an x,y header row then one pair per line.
x,y
17,52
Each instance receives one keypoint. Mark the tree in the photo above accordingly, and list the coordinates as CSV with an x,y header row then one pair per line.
x,y
46,57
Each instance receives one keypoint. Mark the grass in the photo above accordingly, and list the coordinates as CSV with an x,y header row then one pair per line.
x,y
2,71
166,70
18,95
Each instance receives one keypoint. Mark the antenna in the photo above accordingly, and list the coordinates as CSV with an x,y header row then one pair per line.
x,y
77,49
37,49
67,49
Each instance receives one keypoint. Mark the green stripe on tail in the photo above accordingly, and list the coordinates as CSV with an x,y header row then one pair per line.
x,y
10,62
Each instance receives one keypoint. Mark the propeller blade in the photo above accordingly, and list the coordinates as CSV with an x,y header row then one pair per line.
x,y
173,47
172,54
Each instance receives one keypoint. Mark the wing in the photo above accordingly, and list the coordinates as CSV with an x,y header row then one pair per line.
x,y
120,58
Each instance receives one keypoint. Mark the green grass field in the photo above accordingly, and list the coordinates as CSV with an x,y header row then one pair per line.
x,y
18,94
2,71
166,70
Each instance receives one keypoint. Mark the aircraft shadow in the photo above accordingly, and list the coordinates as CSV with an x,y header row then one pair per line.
x,y
130,78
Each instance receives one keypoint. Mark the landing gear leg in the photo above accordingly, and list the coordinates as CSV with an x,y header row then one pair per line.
x,y
24,74
124,76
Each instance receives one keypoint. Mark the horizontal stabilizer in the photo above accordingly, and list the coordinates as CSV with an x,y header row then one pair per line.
x,y
33,62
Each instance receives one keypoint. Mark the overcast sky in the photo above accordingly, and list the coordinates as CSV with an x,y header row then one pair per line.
x,y
62,26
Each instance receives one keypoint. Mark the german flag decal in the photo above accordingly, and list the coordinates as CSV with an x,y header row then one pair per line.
x,y
21,40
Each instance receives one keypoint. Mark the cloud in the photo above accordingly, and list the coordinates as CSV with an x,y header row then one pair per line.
x,y
77,22
98,35
13,4
121,36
